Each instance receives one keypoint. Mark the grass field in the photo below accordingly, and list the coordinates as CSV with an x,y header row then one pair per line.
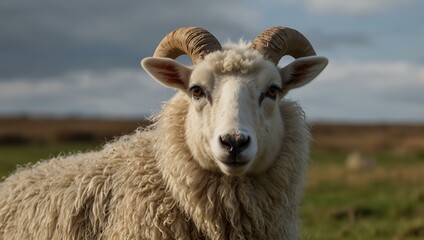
x,y
385,201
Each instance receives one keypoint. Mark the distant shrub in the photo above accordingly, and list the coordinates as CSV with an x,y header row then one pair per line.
x,y
75,136
13,139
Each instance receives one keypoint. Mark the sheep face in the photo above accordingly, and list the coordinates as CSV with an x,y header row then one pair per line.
x,y
235,117
234,124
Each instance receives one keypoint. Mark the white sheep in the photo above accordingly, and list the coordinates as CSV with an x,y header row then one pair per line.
x,y
358,161
225,158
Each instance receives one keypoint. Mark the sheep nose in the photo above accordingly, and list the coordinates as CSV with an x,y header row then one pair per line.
x,y
234,144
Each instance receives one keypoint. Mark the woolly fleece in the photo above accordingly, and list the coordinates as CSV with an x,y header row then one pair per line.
x,y
148,186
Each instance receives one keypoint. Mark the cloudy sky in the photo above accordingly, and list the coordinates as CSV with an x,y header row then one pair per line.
x,y
82,57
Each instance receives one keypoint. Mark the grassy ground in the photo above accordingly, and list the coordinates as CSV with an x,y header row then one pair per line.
x,y
384,202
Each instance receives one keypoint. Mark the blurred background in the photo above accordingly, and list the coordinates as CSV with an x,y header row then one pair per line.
x,y
70,80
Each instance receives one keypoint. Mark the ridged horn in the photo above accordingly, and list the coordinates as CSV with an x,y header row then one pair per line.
x,y
193,41
276,42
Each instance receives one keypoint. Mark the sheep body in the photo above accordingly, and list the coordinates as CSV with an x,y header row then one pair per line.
x,y
151,185
146,186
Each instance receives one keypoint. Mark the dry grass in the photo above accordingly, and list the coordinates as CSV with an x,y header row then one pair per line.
x,y
399,138
48,130
411,174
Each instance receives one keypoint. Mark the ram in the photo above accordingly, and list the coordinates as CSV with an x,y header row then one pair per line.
x,y
224,159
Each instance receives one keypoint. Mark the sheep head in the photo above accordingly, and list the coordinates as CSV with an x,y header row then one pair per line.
x,y
234,123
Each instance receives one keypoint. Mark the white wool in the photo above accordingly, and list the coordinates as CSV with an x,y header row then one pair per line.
x,y
147,186
234,58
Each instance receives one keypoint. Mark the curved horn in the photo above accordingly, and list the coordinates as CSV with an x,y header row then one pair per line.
x,y
193,41
276,42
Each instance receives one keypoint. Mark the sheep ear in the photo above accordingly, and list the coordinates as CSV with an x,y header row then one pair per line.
x,y
301,71
168,72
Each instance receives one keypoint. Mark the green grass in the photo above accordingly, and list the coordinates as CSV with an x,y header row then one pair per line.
x,y
12,156
383,203
378,211
341,205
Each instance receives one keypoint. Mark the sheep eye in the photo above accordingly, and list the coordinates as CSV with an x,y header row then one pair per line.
x,y
197,92
273,92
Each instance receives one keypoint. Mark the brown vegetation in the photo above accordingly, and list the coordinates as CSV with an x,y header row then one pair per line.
x,y
340,137
398,138
48,130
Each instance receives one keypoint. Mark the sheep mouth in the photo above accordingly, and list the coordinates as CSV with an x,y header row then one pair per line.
x,y
236,164
233,163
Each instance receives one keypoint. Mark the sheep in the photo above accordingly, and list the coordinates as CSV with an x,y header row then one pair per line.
x,y
357,161
224,159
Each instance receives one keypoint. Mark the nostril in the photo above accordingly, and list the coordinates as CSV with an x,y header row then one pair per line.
x,y
226,142
243,142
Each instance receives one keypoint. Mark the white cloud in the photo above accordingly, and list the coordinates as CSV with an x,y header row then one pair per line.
x,y
117,92
356,7
353,90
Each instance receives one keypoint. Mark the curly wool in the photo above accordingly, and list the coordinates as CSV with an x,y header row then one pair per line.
x,y
148,186
233,58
